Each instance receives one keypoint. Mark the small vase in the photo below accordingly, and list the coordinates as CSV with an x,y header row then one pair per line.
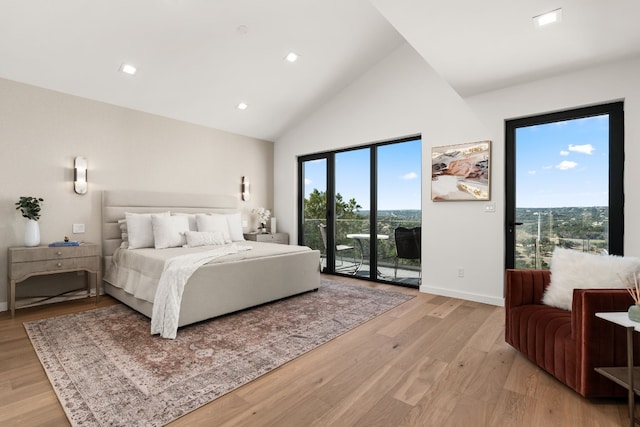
x,y
32,233
264,229
634,313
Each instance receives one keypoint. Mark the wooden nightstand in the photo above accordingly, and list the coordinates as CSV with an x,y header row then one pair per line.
x,y
282,238
26,262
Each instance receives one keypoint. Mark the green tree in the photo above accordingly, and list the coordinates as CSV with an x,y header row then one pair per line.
x,y
315,207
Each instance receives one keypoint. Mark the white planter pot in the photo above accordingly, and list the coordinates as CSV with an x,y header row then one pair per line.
x,y
32,233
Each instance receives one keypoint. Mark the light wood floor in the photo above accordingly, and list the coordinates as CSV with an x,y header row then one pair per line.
x,y
433,361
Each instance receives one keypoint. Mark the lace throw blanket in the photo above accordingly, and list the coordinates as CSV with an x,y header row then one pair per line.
x,y
176,272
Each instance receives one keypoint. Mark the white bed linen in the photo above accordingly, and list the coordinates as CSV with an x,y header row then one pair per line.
x,y
176,273
138,271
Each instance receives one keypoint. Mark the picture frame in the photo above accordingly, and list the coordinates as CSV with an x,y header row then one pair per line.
x,y
461,172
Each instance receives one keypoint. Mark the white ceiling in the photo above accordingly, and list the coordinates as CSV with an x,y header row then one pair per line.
x,y
196,64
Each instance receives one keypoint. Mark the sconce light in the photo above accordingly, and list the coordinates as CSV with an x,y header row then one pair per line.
x,y
80,175
246,191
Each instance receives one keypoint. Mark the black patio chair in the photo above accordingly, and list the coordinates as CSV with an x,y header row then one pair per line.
x,y
408,245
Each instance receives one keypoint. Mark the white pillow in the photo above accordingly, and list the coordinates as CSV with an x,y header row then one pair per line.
x,y
214,222
579,270
140,230
204,238
193,226
168,231
234,221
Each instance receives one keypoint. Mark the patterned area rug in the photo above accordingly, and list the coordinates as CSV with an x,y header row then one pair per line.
x,y
107,369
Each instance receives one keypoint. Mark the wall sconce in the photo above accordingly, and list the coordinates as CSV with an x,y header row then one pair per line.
x,y
80,175
246,191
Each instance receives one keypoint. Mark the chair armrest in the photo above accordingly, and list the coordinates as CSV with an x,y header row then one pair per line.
x,y
598,342
524,287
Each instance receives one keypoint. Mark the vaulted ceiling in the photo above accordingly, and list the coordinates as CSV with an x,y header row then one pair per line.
x,y
197,60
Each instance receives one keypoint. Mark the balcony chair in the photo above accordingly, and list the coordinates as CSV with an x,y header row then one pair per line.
x,y
340,250
408,245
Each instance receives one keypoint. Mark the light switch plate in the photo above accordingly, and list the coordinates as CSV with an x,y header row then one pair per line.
x,y
78,228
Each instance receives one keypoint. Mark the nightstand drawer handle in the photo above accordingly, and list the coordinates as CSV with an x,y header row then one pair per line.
x,y
58,253
59,264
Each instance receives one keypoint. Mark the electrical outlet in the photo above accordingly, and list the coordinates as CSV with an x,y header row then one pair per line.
x,y
489,207
78,228
460,272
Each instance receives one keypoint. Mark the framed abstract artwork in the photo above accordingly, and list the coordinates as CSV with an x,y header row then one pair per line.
x,y
461,172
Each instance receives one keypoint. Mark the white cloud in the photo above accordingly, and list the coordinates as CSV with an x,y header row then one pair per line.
x,y
547,167
307,181
410,175
531,172
566,165
584,149
564,153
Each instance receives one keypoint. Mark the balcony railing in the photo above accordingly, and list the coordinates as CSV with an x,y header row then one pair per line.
x,y
408,270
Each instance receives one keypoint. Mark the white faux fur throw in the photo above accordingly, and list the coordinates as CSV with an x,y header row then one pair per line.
x,y
177,270
578,270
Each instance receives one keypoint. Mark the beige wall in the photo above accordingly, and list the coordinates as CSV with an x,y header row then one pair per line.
x,y
41,132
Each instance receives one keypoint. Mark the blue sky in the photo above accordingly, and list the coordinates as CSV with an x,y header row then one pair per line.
x,y
563,164
399,172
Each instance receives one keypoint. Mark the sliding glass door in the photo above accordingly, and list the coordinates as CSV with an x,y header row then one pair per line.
x,y
313,231
399,211
355,204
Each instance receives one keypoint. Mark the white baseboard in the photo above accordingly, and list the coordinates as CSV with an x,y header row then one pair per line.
x,y
462,295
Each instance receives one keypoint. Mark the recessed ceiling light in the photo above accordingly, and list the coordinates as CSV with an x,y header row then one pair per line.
x,y
242,106
548,18
128,69
292,57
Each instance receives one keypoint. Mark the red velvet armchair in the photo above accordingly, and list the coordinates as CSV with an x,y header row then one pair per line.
x,y
567,344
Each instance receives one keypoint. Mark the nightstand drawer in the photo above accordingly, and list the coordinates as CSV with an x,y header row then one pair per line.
x,y
282,238
21,269
273,238
46,253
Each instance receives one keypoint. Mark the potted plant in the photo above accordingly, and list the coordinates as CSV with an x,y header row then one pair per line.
x,y
30,209
263,217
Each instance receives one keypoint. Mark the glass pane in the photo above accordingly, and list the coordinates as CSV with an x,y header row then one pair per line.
x,y
562,189
352,211
400,208
315,205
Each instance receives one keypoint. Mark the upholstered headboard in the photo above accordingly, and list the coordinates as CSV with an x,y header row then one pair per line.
x,y
116,203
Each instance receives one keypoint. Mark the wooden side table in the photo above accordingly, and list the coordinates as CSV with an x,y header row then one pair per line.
x,y
24,262
282,238
625,376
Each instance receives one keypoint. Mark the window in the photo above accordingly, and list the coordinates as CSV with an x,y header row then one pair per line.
x,y
564,184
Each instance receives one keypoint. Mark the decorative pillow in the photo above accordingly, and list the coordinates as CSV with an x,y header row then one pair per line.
x,y
193,225
214,222
122,223
204,238
578,270
140,230
234,221
168,231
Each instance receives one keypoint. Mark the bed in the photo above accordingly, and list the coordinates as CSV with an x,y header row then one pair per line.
x,y
265,273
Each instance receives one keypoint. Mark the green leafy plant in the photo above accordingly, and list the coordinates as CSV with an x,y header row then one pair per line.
x,y
30,207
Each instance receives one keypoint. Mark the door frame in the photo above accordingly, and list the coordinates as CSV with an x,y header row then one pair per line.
x,y
615,110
